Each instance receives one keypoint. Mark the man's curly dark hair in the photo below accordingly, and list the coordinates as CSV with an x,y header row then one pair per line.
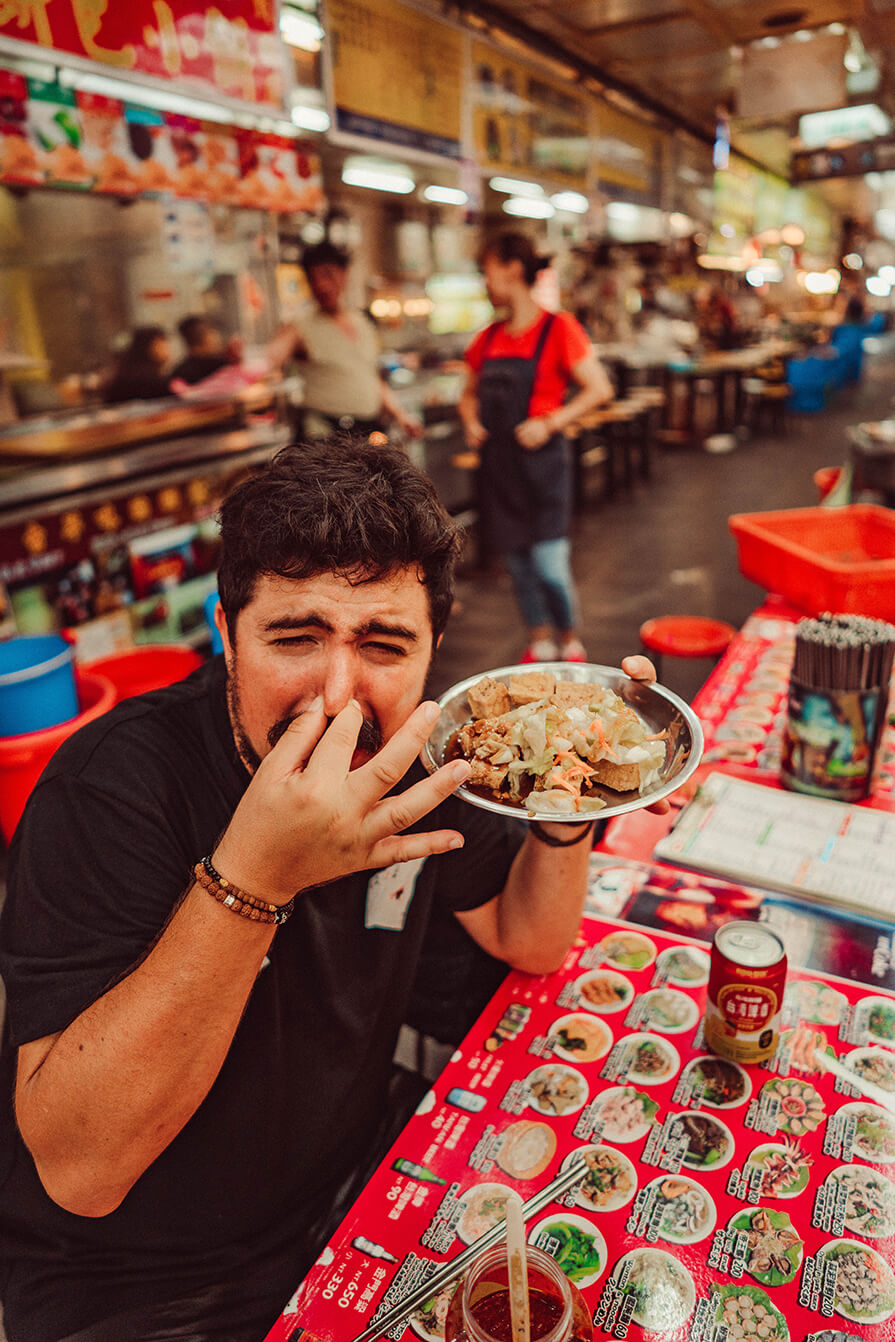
x,y
343,507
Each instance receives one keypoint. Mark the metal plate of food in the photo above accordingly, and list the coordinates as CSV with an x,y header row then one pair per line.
x,y
553,739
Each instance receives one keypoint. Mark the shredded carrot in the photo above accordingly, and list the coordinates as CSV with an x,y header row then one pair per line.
x,y
557,780
597,726
657,736
578,764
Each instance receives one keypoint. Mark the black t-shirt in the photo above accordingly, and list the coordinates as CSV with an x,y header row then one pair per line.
x,y
103,852
195,367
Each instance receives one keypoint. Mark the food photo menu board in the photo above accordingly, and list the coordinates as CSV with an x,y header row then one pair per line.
x,y
721,1203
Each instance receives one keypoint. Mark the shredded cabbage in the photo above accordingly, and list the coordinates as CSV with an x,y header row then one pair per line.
x,y
553,752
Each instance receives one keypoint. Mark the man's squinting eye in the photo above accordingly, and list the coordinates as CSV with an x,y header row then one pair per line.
x,y
309,640
386,649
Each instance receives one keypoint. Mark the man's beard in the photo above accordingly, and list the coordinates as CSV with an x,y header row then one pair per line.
x,y
369,739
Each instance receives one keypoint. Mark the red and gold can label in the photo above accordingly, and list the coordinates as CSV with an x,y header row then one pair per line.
x,y
747,980
748,1008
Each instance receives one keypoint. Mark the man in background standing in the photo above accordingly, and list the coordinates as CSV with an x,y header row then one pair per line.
x,y
338,349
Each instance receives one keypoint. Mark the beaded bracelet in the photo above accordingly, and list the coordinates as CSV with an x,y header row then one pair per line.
x,y
553,842
239,901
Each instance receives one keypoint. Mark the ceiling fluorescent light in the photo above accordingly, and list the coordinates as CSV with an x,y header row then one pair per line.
x,y
793,235
300,30
822,281
168,100
41,70
162,99
681,225
511,187
378,179
524,207
854,122
310,118
571,201
622,211
446,195
710,261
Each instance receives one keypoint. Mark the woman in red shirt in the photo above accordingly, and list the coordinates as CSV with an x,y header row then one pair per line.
x,y
514,409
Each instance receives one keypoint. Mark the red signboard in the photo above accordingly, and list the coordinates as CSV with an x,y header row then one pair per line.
x,y
232,47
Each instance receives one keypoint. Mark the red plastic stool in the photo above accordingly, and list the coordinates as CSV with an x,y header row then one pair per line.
x,y
826,480
684,636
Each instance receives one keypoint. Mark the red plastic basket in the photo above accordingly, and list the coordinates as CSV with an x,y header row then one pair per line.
x,y
149,668
837,559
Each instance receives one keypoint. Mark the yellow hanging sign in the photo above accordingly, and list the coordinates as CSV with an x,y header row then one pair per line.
x,y
397,75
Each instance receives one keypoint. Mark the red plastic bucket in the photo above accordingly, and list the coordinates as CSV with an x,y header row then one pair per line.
x,y
24,758
142,669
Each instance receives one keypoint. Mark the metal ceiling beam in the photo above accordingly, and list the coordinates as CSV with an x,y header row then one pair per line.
x,y
712,20
543,44
663,58
633,25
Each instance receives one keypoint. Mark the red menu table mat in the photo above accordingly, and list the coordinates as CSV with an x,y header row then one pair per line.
x,y
723,1203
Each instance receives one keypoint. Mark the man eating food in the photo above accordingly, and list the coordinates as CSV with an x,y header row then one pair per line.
x,y
205,962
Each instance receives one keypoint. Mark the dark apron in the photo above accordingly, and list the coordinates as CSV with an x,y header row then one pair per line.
x,y
524,496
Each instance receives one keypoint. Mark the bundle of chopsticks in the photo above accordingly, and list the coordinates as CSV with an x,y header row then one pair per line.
x,y
844,652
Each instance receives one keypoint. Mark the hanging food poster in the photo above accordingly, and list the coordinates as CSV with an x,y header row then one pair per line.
x,y
19,159
278,174
106,147
721,1203
54,128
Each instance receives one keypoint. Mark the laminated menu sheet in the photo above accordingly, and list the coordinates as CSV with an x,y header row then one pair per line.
x,y
670,899
722,1203
836,852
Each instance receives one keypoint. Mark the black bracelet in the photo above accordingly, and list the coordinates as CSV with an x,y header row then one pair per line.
x,y
552,842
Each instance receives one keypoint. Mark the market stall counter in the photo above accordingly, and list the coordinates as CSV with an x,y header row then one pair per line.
x,y
720,1200
107,516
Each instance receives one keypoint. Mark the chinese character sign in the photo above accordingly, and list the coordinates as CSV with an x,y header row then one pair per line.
x,y
232,47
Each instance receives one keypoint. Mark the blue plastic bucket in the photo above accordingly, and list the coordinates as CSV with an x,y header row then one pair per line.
x,y
37,684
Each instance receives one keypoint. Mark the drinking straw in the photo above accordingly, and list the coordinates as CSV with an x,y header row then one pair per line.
x,y
517,1270
573,1174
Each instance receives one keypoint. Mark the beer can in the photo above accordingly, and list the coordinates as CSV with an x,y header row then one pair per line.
x,y
747,979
